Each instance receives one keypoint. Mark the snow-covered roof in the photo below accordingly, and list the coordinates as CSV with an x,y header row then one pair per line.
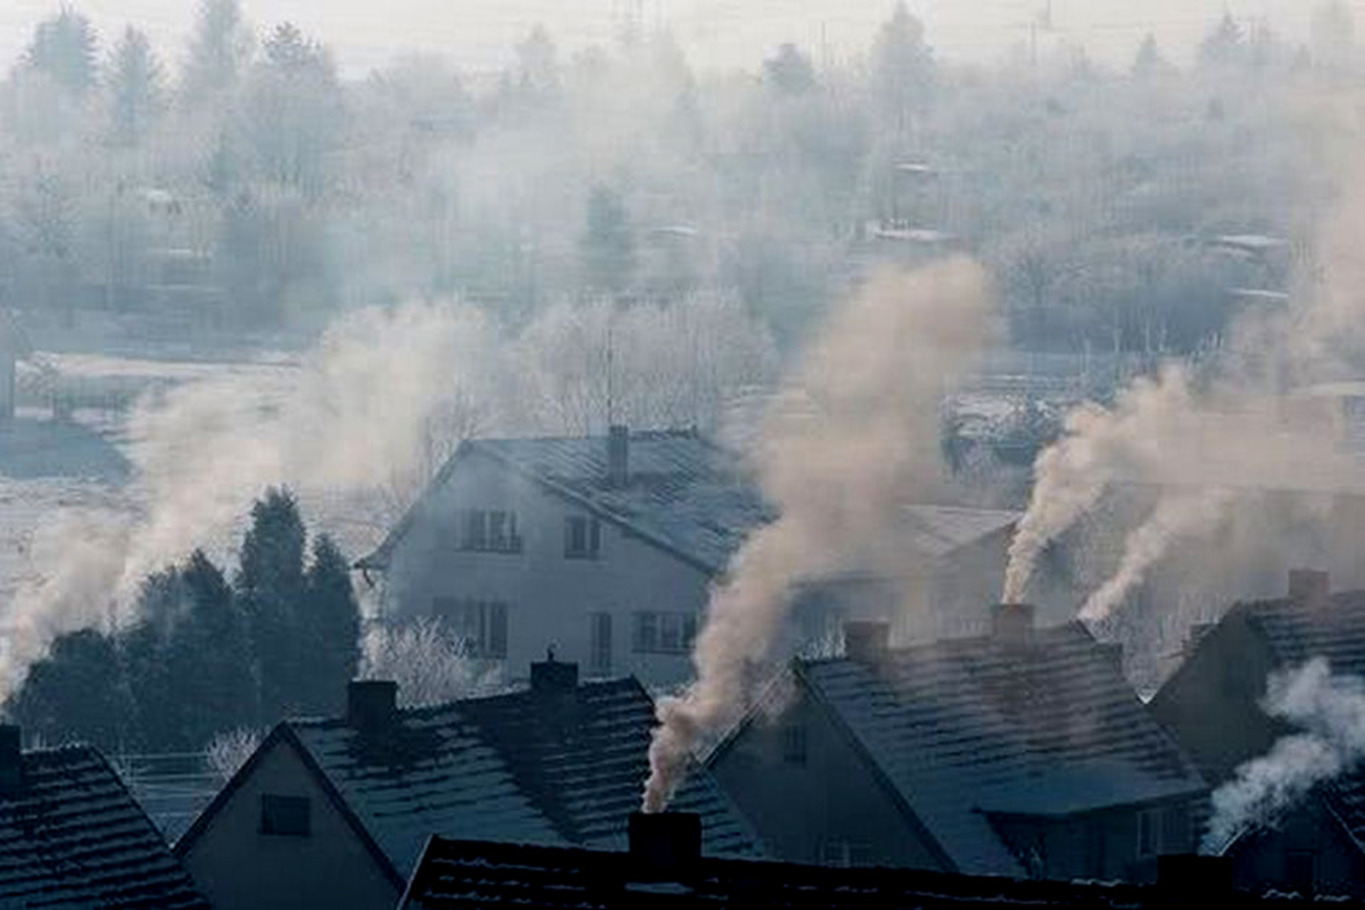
x,y
558,768
73,836
966,728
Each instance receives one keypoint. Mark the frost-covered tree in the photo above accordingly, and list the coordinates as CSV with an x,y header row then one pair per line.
x,y
219,51
789,71
64,50
902,68
1225,44
608,243
136,92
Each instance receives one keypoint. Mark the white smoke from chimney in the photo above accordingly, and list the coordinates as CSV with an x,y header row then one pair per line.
x,y
1178,515
837,468
1331,711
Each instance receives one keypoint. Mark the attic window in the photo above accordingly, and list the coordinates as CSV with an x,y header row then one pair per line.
x,y
582,537
488,531
285,816
794,744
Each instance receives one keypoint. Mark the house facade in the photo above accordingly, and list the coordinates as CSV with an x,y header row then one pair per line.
x,y
1022,752
335,812
605,548
1213,706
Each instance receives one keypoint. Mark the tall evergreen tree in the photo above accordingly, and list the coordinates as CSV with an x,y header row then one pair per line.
x,y
294,110
219,50
1225,43
608,244
332,622
64,49
208,656
158,707
75,694
790,71
1148,61
270,586
135,89
902,68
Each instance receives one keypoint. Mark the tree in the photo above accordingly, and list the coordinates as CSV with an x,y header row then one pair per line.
x,y
902,68
135,89
608,244
219,51
270,586
790,71
208,657
1225,43
331,621
63,49
537,63
1149,61
75,694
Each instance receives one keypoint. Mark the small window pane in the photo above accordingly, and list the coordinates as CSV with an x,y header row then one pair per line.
x,y
497,631
794,744
601,642
285,816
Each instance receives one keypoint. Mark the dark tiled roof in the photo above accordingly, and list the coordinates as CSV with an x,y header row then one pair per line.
x,y
968,727
685,494
455,875
74,837
1296,633
521,767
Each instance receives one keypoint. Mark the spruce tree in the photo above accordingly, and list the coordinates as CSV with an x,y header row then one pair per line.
x,y
332,617
270,587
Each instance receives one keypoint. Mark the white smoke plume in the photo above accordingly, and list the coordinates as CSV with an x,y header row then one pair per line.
x,y
1331,711
837,469
1177,516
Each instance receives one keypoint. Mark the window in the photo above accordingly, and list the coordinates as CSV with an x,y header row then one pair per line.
x,y
794,744
600,651
285,816
664,633
478,627
484,531
582,537
845,854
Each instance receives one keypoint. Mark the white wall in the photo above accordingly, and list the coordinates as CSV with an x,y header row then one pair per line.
x,y
550,598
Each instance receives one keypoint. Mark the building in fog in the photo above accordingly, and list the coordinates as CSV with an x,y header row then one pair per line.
x,y
1021,753
334,813
1213,705
71,835
606,548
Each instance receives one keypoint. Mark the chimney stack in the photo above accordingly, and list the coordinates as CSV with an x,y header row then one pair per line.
x,y
665,846
867,642
1012,625
618,455
553,676
11,760
371,704
1310,588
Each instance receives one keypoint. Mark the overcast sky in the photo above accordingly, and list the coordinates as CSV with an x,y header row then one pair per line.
x,y
477,33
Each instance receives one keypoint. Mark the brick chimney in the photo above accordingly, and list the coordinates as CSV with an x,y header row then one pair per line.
x,y
11,760
1310,588
867,642
618,456
665,846
553,676
371,704
1012,625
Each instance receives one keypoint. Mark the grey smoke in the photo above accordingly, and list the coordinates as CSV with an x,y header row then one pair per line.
x,y
854,437
1330,709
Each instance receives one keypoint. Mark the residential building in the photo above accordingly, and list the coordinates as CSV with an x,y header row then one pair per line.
x,y
661,869
1213,705
335,812
1023,752
71,835
606,548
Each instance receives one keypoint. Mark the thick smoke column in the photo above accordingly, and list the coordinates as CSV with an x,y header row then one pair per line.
x,y
838,469
1331,711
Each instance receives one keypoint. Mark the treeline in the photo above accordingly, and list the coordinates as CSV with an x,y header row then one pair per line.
x,y
207,655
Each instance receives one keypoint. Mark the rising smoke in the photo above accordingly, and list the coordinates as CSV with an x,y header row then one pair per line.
x,y
852,440
1331,711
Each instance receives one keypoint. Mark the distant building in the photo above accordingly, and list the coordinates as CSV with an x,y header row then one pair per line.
x,y
334,813
72,836
1020,753
14,346
607,548
1212,704
662,869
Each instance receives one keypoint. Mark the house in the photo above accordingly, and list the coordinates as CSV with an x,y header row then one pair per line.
x,y
72,836
606,547
662,869
1022,752
1212,704
335,812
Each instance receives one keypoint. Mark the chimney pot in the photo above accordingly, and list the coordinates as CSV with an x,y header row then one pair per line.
x,y
866,642
1012,624
618,455
371,704
665,845
553,676
1310,588
11,760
